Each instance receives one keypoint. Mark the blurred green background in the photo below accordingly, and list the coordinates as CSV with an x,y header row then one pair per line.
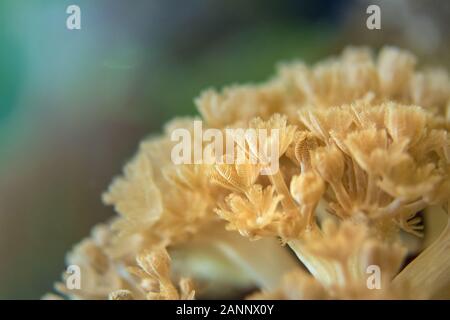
x,y
74,104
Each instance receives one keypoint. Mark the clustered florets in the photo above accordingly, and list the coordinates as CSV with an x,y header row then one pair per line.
x,y
364,147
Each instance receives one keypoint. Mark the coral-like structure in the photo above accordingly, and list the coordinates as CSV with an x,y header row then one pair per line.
x,y
364,155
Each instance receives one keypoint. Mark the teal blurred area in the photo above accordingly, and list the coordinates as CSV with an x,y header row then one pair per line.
x,y
74,104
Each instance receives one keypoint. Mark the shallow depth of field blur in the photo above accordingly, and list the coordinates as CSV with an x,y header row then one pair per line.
x,y
74,104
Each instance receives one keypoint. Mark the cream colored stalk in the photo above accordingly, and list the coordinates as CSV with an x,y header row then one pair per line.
x,y
430,271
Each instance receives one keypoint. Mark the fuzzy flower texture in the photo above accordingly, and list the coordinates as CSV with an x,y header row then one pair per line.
x,y
363,189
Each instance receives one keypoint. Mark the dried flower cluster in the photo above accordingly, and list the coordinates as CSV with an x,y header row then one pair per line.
x,y
364,159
